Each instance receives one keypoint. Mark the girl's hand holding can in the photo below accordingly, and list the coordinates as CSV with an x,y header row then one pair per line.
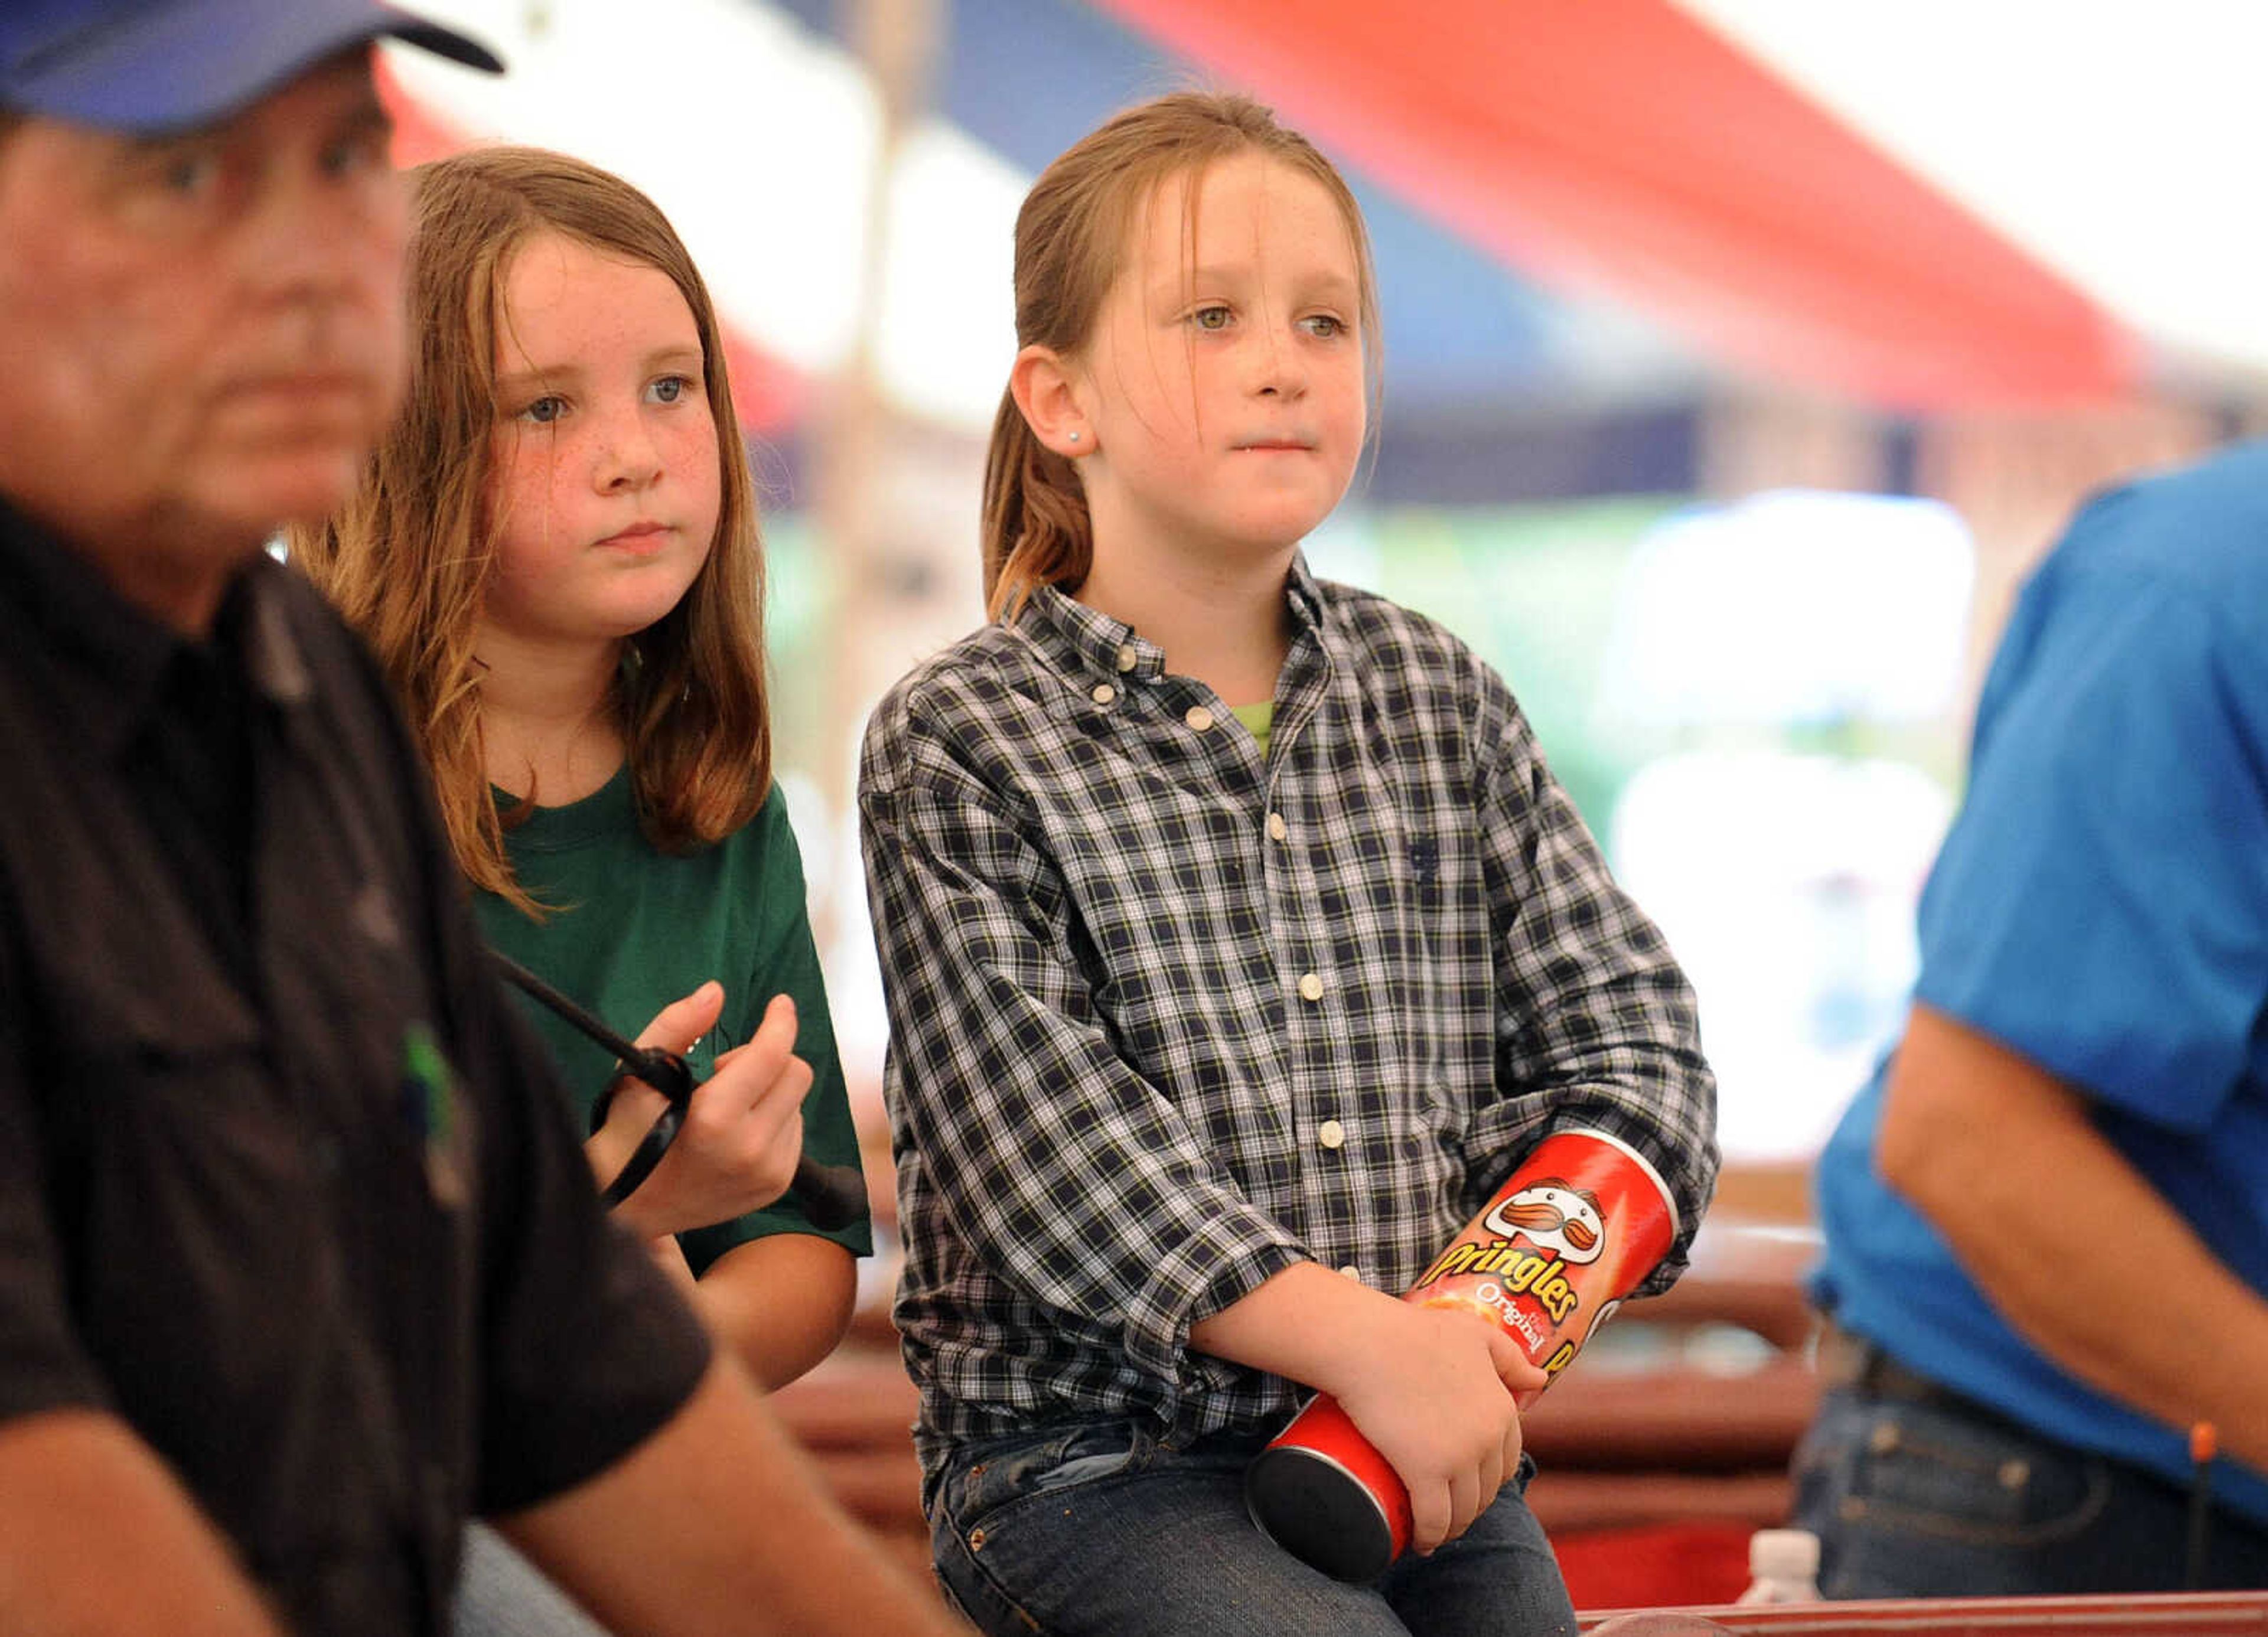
x,y
1435,1391
1572,1230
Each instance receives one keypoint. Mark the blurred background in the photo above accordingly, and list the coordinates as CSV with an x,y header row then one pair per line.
x,y
1740,356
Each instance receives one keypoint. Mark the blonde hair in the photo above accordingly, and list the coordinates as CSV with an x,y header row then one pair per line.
x,y
1071,237
407,559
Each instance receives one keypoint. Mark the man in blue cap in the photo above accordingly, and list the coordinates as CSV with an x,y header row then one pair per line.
x,y
300,1263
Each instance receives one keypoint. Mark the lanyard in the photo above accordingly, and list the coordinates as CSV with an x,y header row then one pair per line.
x,y
832,1196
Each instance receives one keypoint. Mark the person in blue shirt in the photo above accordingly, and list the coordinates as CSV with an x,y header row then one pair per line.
x,y
2046,1218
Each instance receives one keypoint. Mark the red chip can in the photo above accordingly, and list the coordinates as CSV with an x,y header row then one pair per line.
x,y
1569,1233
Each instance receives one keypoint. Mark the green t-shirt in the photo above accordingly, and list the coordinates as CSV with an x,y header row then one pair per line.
x,y
631,929
1258,719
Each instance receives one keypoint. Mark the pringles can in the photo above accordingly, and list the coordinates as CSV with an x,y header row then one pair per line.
x,y
1571,1233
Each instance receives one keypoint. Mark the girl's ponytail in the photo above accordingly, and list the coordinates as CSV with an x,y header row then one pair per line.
x,y
1036,530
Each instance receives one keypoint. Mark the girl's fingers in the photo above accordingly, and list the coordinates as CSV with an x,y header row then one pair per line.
x,y
743,1130
771,1045
1429,1516
1464,1501
1520,1375
766,1069
678,1025
793,1084
1492,1479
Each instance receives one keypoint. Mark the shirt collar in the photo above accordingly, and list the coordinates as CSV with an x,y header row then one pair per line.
x,y
1104,645
1306,596
116,656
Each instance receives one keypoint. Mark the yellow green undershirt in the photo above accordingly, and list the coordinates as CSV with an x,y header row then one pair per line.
x,y
1258,719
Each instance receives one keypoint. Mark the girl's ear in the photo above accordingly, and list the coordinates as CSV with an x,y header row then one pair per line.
x,y
1045,390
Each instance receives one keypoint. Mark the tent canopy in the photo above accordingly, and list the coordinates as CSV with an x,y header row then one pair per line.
x,y
1610,202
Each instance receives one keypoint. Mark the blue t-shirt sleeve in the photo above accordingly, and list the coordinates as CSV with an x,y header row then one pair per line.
x,y
2101,905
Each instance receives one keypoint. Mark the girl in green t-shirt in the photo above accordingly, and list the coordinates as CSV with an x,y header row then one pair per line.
x,y
556,555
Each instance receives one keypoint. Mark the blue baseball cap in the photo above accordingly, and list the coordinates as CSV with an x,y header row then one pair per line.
x,y
152,66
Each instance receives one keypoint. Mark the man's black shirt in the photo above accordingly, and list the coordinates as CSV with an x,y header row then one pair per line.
x,y
283,1182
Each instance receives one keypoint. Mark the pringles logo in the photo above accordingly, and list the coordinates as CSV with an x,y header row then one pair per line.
x,y
1539,1276
1552,1213
1544,1229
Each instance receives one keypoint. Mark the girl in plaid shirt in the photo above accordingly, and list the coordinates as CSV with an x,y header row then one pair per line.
x,y
1237,943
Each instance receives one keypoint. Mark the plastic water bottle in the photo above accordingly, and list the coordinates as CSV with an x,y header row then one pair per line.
x,y
1783,1567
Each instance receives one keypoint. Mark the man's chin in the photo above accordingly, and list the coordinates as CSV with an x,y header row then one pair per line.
x,y
259,497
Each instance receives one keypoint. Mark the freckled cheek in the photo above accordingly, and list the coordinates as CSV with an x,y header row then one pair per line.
x,y
687,436
523,507
688,448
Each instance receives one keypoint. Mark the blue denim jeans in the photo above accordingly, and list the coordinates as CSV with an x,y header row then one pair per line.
x,y
501,1594
1101,1530
1938,1499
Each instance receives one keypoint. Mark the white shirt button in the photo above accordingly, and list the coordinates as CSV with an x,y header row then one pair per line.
x,y
1331,1133
1311,988
1127,656
1352,1272
1277,828
1104,692
1198,717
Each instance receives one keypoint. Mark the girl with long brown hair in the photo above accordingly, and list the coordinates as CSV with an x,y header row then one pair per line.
x,y
556,555
1237,943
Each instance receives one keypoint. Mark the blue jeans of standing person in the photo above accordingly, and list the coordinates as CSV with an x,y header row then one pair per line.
x,y
1103,1532
1918,1493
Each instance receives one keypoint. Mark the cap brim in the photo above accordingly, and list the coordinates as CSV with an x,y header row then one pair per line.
x,y
193,63
445,42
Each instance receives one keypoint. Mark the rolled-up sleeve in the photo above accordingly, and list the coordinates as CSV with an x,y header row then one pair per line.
x,y
1596,1024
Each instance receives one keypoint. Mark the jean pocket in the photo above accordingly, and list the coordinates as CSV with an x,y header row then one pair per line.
x,y
1930,1472
999,1475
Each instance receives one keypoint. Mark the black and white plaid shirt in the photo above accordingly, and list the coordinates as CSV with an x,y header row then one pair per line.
x,y
1166,1018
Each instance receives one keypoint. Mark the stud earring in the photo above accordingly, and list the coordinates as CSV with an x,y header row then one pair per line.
x,y
1074,438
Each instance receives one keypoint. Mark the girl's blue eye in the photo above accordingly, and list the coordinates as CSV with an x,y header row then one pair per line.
x,y
1213,318
544,411
671,389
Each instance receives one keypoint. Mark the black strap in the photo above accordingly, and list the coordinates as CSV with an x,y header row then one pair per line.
x,y
665,1071
833,1196
644,1157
